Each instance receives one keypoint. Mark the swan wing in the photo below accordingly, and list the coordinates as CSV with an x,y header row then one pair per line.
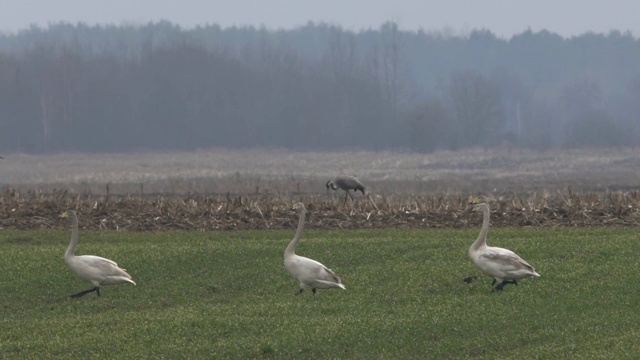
x,y
96,260
310,272
328,274
101,267
506,259
325,278
321,284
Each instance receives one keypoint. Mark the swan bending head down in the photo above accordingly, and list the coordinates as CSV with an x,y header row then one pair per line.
x,y
504,266
94,269
308,272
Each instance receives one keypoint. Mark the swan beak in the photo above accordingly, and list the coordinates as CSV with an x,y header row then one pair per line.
x,y
471,206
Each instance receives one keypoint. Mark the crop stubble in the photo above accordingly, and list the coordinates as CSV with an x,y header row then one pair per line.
x,y
224,190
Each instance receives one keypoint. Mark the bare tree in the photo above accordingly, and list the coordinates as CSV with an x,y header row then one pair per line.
x,y
476,107
392,64
428,126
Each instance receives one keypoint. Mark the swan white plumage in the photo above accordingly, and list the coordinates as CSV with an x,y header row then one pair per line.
x,y
504,266
97,270
308,272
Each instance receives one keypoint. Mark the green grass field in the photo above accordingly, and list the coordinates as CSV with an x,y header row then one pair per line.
x,y
227,295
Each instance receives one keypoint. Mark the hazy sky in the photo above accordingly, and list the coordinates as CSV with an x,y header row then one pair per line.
x,y
503,17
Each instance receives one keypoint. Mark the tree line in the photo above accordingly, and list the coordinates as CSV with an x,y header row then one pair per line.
x,y
317,87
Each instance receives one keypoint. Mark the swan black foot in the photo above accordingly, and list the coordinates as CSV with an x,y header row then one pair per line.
x,y
85,292
299,291
500,286
470,279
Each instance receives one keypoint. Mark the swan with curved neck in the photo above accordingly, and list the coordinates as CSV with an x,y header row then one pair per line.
x,y
308,272
504,266
97,270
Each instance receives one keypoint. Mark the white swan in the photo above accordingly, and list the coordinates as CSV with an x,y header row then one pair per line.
x,y
308,272
97,270
504,266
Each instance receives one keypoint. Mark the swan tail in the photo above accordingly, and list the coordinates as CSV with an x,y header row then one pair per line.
x,y
115,280
329,284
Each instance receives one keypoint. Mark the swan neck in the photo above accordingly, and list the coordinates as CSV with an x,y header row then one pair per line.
x,y
481,241
74,237
291,248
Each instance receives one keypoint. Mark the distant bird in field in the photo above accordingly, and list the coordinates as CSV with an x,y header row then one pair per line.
x,y
308,272
503,265
346,183
97,270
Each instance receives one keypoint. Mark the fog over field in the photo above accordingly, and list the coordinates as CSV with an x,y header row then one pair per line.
x,y
243,171
217,107
317,87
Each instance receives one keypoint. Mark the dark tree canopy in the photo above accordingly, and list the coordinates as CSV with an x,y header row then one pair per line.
x,y
118,88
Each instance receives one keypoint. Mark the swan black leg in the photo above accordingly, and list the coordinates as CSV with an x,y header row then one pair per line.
x,y
500,286
85,292
313,290
299,291
470,279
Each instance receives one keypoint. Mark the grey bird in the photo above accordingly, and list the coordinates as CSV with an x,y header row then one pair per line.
x,y
346,183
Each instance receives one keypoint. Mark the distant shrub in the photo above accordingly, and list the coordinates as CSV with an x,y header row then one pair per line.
x,y
596,128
